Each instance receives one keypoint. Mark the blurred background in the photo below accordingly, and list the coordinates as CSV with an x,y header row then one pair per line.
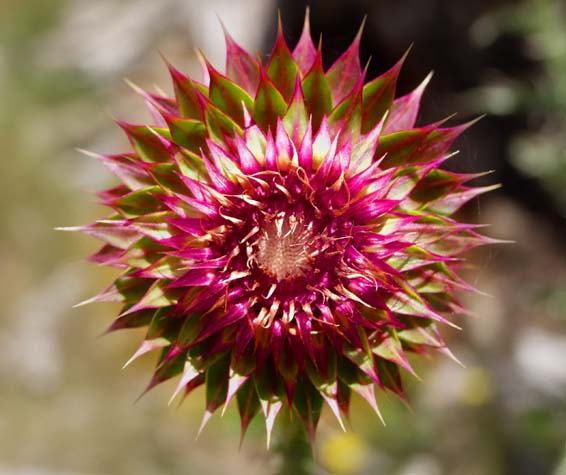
x,y
66,407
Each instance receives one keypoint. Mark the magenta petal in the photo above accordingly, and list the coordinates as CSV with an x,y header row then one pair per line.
x,y
305,150
221,320
193,278
245,335
248,162
126,168
304,53
270,152
304,325
217,178
368,208
345,73
284,147
403,114
241,67
207,209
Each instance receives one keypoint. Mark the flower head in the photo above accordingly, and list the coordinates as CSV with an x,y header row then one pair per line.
x,y
284,232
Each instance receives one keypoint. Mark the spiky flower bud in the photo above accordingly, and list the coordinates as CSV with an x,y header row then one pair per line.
x,y
284,232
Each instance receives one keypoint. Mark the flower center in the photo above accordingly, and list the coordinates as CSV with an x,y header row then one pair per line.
x,y
284,247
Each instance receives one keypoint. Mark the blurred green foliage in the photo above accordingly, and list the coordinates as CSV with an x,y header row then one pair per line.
x,y
540,96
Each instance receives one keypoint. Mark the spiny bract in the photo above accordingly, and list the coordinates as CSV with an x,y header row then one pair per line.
x,y
284,232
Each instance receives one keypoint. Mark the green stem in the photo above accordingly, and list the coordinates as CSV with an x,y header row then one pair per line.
x,y
293,448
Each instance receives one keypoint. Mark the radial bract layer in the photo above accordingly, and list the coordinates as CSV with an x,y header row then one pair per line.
x,y
284,232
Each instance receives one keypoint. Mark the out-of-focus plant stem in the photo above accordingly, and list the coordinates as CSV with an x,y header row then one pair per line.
x,y
294,452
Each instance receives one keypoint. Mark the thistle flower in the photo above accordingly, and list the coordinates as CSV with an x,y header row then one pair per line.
x,y
284,232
